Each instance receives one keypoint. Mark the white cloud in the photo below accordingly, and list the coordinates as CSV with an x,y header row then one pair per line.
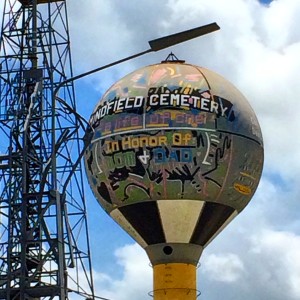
x,y
277,258
225,267
262,265
281,18
136,276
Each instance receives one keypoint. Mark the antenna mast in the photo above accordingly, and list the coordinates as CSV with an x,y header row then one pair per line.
x,y
44,247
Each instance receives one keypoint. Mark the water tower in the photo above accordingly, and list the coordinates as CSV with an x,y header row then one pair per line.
x,y
176,154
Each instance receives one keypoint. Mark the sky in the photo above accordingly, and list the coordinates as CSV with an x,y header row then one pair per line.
x,y
258,255
258,49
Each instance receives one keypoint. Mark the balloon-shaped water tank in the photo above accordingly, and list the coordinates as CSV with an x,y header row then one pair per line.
x,y
176,154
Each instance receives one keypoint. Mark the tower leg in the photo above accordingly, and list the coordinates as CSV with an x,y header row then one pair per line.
x,y
174,281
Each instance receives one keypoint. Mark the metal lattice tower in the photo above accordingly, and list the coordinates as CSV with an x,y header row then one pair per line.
x,y
44,248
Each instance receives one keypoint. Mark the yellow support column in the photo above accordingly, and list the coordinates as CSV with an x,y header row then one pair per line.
x,y
174,281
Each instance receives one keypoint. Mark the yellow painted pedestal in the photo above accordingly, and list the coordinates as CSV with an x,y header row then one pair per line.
x,y
174,281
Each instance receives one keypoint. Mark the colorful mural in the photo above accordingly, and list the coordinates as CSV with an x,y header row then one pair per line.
x,y
175,142
163,133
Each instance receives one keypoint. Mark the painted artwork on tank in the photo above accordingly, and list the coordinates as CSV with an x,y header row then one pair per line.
x,y
163,132
174,132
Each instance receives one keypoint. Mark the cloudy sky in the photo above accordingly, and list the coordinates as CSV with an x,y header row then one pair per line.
x,y
258,50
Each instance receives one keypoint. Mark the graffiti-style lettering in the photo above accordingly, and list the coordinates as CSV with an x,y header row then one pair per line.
x,y
191,100
141,141
144,158
120,160
112,146
203,102
116,106
179,155
181,139
175,119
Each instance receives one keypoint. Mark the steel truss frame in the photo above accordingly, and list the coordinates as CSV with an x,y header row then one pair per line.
x,y
44,247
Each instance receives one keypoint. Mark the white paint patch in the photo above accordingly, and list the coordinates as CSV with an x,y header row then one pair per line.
x,y
179,219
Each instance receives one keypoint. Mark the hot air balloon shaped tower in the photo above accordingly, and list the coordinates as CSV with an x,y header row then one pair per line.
x,y
176,154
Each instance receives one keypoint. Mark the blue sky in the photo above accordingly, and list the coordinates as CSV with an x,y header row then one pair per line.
x,y
265,1
258,255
